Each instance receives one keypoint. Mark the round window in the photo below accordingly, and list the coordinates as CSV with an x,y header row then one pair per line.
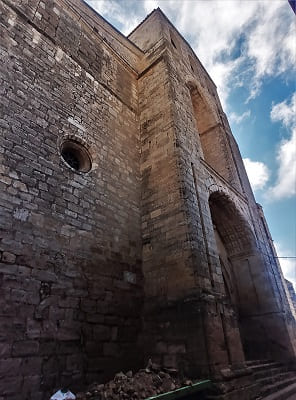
x,y
76,155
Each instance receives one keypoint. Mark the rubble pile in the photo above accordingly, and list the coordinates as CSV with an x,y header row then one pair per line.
x,y
147,382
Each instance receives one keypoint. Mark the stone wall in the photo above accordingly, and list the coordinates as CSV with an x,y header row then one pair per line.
x,y
70,241
226,174
209,175
102,269
178,278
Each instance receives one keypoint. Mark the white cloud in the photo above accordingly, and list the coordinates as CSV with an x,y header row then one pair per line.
x,y
237,119
222,73
285,185
271,44
101,6
285,112
127,17
258,173
150,5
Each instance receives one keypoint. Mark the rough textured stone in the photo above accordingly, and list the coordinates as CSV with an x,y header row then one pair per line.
x,y
160,249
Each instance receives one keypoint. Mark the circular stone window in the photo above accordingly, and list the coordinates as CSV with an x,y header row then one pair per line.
x,y
76,155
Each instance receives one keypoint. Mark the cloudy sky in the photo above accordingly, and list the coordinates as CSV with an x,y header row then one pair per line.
x,y
249,49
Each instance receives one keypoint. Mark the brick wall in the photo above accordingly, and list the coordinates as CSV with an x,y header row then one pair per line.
x,y
70,276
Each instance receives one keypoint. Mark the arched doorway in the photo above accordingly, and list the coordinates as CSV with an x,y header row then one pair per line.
x,y
247,282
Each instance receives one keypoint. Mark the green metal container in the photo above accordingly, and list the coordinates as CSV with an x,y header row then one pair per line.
x,y
185,392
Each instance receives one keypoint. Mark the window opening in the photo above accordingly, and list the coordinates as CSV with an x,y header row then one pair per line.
x,y
76,156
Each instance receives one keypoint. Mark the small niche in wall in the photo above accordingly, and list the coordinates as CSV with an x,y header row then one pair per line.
x,y
191,62
173,40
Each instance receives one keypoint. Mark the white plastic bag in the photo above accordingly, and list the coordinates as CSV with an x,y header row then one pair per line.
x,y
61,395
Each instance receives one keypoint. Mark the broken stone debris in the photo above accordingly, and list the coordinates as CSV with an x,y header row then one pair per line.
x,y
145,383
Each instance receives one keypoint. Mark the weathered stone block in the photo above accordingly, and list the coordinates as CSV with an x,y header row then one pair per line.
x,y
11,386
25,348
8,258
32,366
101,333
170,361
10,367
176,349
110,349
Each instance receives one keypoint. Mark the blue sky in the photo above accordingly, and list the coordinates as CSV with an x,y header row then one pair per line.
x,y
249,49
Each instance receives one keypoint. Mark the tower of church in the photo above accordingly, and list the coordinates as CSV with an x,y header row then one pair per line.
x,y
129,229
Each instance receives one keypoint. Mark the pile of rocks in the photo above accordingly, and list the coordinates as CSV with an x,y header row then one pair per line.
x,y
147,382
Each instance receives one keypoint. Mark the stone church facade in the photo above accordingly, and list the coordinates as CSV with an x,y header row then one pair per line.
x,y
129,229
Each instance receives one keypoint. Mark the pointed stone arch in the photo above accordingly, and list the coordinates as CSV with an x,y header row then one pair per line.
x,y
247,281
215,148
204,112
238,237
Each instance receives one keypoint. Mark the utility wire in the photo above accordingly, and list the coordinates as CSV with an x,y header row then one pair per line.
x,y
284,257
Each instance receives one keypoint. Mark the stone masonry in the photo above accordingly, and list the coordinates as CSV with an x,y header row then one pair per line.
x,y
128,227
